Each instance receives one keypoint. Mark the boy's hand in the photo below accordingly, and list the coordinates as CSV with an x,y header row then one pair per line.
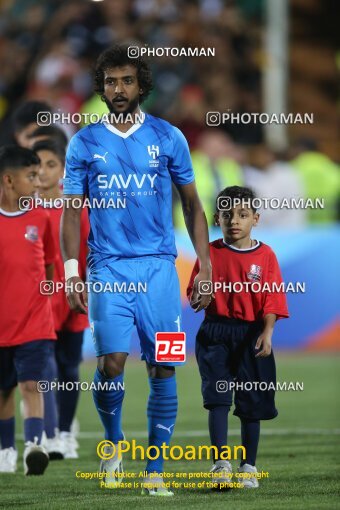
x,y
77,299
264,341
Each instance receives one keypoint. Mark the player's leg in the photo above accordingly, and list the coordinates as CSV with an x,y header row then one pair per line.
x,y
51,440
109,393
68,357
253,405
8,453
158,309
161,410
108,396
213,359
112,321
30,362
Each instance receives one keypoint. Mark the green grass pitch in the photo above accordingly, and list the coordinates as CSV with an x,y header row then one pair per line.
x,y
299,449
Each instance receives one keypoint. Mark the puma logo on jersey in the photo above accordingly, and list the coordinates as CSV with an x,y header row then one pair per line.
x,y
98,156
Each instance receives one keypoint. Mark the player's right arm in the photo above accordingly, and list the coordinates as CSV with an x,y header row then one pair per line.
x,y
182,174
75,190
70,245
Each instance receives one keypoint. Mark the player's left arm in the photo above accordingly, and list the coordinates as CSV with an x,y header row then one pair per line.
x,y
197,227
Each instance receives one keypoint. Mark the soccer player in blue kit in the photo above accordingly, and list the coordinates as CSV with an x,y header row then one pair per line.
x,y
132,166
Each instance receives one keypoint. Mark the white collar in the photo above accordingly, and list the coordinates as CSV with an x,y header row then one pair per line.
x,y
129,132
14,213
242,249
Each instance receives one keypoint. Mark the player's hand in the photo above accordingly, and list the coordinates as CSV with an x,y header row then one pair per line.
x,y
199,300
76,294
264,342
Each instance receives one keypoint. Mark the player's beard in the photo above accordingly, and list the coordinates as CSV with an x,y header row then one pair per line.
x,y
132,106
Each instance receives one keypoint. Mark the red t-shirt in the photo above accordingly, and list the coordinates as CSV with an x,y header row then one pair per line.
x,y
64,317
26,246
254,267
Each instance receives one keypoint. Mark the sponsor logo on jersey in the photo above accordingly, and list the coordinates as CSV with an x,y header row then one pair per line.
x,y
255,273
120,181
31,233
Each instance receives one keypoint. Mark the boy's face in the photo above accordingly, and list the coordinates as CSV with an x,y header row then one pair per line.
x,y
51,169
236,223
121,89
23,182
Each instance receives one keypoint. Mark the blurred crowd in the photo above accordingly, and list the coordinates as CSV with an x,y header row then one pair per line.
x,y
48,49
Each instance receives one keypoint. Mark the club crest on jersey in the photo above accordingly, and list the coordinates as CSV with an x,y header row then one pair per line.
x,y
31,233
255,273
153,151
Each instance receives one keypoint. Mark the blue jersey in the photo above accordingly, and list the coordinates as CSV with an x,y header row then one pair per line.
x,y
127,179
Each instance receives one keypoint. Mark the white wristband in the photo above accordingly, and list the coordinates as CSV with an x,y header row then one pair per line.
x,y
71,268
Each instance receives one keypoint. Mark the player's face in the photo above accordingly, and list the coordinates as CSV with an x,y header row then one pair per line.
x,y
121,89
25,182
236,223
51,169
23,137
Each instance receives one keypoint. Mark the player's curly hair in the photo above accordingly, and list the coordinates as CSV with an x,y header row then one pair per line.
x,y
239,192
117,56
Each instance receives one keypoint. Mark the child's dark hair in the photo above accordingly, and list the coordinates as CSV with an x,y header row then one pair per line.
x,y
52,146
14,157
236,194
117,56
27,113
54,133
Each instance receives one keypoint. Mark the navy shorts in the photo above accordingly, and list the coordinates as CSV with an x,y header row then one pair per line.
x,y
225,352
68,349
25,362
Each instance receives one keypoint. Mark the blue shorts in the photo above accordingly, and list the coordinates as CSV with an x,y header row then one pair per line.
x,y
154,308
25,362
225,353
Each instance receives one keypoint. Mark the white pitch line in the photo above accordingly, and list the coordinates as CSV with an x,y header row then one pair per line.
x,y
132,434
233,432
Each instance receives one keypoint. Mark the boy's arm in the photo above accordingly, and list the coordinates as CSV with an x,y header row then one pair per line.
x,y
275,302
275,307
265,339
49,271
49,249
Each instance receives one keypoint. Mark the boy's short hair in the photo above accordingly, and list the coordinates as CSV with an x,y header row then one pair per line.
x,y
52,146
236,194
27,113
118,56
15,157
54,133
